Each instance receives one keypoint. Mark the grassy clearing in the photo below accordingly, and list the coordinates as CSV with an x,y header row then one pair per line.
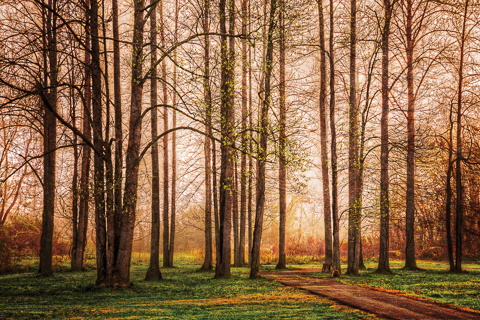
x,y
184,294
432,283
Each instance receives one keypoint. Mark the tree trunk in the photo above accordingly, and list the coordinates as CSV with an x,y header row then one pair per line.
x,y
383,261
99,176
207,263
458,168
282,177
171,246
117,89
410,262
81,240
121,273
448,195
262,152
153,272
353,161
333,150
327,266
250,149
243,168
227,146
236,229
166,228
49,145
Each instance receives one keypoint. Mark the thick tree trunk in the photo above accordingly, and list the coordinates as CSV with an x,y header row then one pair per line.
x,y
327,266
227,146
250,149
153,272
262,152
121,272
383,261
353,161
282,177
333,149
410,262
207,263
49,146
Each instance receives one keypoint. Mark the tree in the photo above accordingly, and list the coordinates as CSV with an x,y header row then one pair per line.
x,y
153,272
207,263
282,163
49,137
262,148
327,266
353,161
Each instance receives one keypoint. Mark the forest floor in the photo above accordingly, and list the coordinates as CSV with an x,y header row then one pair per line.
x,y
390,304
183,294
187,294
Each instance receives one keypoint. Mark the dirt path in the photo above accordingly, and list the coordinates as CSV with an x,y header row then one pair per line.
x,y
383,304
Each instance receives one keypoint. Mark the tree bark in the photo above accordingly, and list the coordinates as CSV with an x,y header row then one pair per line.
x,y
458,167
333,149
327,266
282,177
79,242
353,161
49,144
121,272
383,260
243,166
98,164
227,146
410,262
448,195
171,246
166,228
153,272
262,152
207,263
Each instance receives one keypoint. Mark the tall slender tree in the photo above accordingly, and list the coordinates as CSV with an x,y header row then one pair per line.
x,y
327,266
49,138
383,260
282,176
262,148
153,272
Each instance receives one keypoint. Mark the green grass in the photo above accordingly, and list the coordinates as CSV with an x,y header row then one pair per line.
x,y
183,294
432,283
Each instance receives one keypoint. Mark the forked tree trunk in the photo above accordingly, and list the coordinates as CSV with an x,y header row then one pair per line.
x,y
262,153
121,272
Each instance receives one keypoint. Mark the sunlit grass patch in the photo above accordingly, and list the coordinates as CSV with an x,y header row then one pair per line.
x,y
183,294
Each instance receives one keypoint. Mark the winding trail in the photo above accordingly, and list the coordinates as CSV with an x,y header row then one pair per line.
x,y
383,304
